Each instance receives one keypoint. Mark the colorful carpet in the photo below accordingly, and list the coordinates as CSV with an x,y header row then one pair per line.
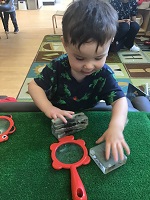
x,y
129,67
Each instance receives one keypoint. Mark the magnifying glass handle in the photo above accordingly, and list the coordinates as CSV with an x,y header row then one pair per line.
x,y
78,190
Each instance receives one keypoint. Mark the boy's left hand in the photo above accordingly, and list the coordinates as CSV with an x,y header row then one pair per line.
x,y
115,142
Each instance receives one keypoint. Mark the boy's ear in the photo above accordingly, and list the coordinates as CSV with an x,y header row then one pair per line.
x,y
63,42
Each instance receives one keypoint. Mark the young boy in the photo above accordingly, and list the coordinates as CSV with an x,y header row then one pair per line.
x,y
12,14
78,80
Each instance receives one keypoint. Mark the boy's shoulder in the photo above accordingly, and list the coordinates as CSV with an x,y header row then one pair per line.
x,y
59,64
106,69
61,59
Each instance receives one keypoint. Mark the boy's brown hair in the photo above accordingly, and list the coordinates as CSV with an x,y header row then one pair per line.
x,y
89,20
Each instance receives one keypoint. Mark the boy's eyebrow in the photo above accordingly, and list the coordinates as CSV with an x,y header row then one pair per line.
x,y
101,55
104,54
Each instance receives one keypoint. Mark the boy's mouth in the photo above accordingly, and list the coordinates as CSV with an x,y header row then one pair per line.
x,y
87,73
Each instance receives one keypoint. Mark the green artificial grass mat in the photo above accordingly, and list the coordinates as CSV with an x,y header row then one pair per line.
x,y
26,172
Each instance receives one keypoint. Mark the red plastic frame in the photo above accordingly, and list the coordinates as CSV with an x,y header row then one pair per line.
x,y
78,190
10,130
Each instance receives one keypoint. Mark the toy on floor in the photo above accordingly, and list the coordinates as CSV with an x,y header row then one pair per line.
x,y
70,154
147,42
6,127
97,153
77,123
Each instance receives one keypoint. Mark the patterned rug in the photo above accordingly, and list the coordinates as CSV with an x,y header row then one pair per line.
x,y
129,67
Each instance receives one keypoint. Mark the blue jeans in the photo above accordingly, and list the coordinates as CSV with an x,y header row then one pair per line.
x,y
13,19
125,35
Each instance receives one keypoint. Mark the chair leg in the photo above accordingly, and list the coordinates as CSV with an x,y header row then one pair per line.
x,y
54,21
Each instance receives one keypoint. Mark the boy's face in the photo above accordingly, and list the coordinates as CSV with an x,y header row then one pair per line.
x,y
86,60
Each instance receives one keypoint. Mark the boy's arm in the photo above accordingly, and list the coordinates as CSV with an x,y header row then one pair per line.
x,y
40,99
114,134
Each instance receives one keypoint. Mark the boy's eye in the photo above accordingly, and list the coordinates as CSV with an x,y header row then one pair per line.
x,y
98,58
79,58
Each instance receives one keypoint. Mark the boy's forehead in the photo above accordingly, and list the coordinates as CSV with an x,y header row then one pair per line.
x,y
89,48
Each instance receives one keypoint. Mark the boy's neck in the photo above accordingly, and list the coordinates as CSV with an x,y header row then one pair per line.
x,y
79,78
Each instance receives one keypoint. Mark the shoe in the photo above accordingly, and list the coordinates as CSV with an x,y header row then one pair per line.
x,y
16,31
7,32
135,48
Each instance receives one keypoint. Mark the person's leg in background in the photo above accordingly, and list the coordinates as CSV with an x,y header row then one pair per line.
x,y
130,37
120,37
14,21
6,19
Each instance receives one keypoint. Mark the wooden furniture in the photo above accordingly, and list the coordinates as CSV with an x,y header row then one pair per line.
x,y
58,13
54,20
148,27
144,10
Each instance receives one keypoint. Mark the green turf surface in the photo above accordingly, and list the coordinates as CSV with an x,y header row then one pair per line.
x,y
25,163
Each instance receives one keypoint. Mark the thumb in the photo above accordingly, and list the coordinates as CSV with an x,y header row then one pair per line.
x,y
101,139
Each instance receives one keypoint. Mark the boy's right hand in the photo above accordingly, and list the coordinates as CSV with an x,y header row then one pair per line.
x,y
54,113
39,97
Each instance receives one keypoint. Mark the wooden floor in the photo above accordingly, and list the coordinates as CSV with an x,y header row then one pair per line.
x,y
18,51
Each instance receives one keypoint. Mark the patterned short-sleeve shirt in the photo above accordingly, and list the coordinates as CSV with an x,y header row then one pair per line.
x,y
125,10
65,92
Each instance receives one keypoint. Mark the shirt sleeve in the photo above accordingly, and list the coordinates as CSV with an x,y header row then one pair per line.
x,y
47,77
111,91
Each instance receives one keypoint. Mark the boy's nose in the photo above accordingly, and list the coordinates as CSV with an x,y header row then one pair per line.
x,y
88,66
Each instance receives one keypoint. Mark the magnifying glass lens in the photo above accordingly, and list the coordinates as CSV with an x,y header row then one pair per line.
x,y
69,153
4,125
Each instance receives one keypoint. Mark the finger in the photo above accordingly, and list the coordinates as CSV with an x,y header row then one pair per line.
x,y
107,151
126,147
101,139
60,116
120,151
68,114
63,118
71,112
115,153
63,115
54,116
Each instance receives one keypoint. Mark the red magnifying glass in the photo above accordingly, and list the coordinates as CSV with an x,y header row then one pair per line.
x,y
6,127
70,154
